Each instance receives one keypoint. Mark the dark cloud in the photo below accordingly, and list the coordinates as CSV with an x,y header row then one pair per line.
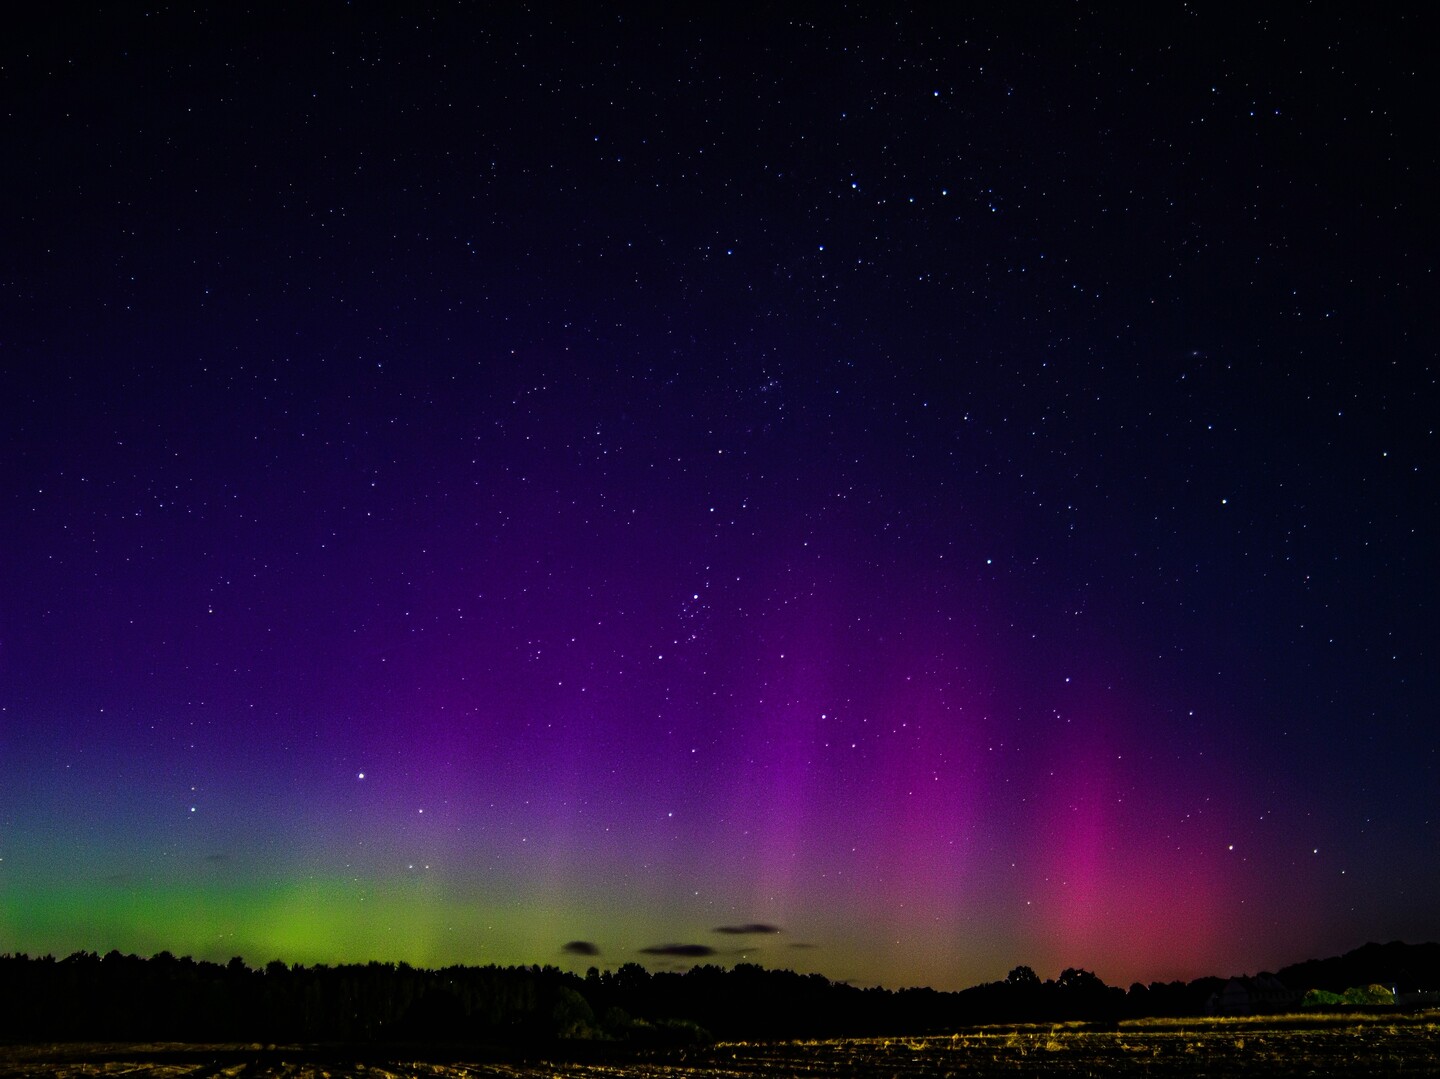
x,y
693,951
752,928
579,947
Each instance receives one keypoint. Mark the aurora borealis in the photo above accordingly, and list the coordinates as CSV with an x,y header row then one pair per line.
x,y
957,490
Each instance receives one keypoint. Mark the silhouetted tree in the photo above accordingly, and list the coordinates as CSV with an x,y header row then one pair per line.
x,y
127,997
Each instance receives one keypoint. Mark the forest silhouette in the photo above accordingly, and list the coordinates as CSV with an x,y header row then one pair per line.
x,y
164,998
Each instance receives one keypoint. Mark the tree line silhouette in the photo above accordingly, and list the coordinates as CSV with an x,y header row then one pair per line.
x,y
88,997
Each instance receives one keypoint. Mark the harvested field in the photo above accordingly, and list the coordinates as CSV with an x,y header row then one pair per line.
x,y
1309,1046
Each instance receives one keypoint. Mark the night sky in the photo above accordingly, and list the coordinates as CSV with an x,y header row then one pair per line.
x,y
894,495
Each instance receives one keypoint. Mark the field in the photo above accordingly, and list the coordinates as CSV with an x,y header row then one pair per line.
x,y
1367,1045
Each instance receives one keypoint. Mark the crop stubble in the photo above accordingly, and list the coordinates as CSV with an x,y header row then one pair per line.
x,y
1408,1045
